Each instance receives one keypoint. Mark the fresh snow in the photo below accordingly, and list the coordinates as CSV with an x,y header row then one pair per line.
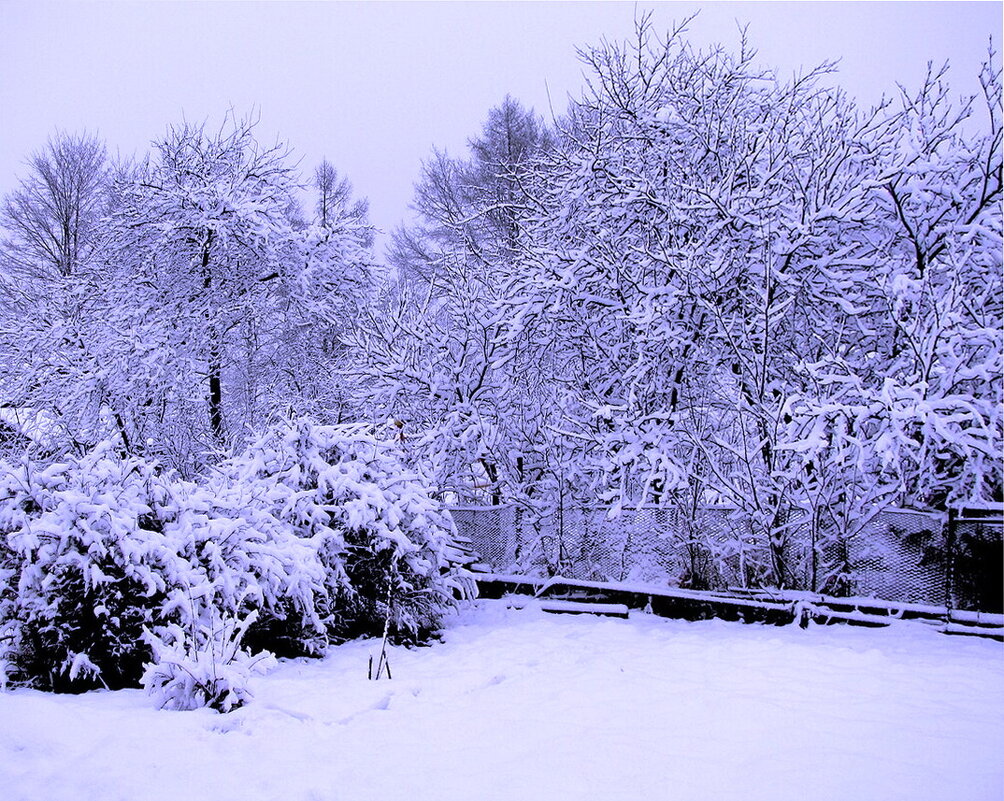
x,y
519,704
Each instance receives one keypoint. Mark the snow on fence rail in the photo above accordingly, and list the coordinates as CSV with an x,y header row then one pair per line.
x,y
899,555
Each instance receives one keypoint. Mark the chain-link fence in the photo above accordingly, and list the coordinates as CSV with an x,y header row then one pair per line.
x,y
897,555
975,567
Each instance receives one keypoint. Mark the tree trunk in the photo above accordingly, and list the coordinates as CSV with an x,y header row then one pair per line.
x,y
215,366
215,390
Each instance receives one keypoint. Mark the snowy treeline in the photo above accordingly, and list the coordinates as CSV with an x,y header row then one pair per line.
x,y
703,283
113,571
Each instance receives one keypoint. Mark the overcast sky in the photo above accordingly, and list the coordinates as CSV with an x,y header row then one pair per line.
x,y
374,86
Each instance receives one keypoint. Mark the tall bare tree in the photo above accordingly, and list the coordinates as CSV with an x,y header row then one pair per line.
x,y
50,219
335,203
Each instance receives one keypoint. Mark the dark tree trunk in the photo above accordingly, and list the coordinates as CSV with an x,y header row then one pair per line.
x,y
215,391
215,366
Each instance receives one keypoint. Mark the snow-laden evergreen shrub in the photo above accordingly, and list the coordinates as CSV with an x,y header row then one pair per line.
x,y
204,665
87,569
240,565
241,560
113,572
378,532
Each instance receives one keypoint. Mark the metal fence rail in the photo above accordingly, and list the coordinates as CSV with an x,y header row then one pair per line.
x,y
898,555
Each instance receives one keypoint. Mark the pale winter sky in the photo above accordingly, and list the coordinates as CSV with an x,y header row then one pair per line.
x,y
374,86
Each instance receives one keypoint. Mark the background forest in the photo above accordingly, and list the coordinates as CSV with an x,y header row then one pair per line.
x,y
701,284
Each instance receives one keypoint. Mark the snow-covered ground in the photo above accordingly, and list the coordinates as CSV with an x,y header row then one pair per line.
x,y
521,705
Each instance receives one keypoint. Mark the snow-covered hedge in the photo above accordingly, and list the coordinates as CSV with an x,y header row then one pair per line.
x,y
242,560
113,572
88,569
376,528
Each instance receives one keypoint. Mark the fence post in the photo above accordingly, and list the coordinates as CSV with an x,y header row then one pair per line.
x,y
813,523
950,564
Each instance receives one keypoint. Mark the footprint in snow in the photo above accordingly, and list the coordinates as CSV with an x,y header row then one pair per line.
x,y
226,726
303,717
377,706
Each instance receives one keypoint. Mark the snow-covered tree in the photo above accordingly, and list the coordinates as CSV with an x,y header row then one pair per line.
x,y
335,203
206,306
916,392
704,231
50,233
432,355
208,228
